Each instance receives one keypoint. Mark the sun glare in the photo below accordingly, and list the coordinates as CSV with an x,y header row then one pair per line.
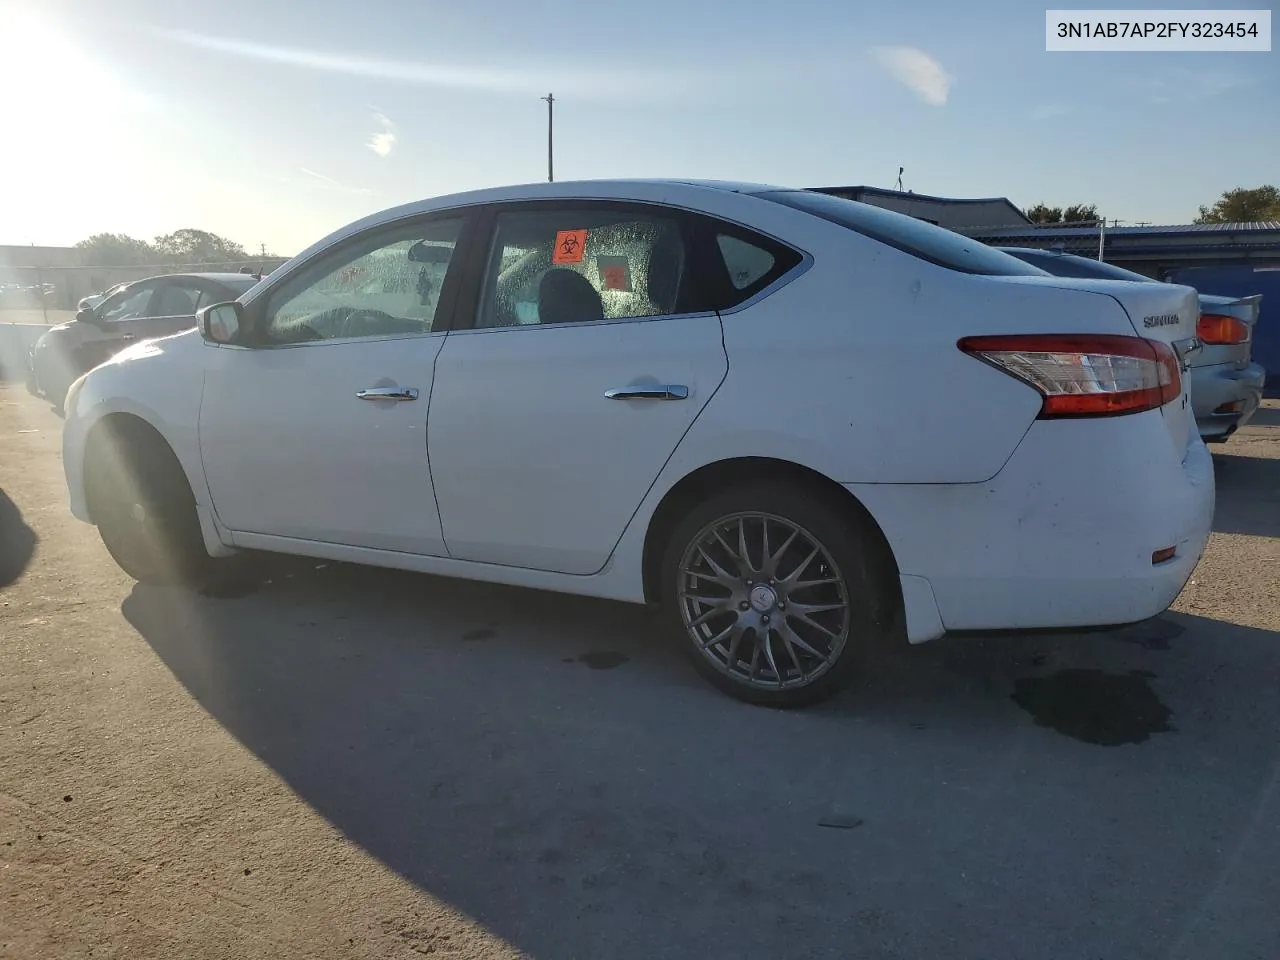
x,y
68,140
44,70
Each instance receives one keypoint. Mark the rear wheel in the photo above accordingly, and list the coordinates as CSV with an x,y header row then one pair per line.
x,y
144,509
780,593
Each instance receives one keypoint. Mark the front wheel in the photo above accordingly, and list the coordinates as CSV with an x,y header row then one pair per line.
x,y
144,509
780,594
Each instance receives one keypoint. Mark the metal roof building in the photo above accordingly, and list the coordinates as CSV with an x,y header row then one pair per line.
x,y
959,215
1153,250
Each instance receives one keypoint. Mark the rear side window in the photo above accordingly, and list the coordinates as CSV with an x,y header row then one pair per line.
x,y
920,239
743,263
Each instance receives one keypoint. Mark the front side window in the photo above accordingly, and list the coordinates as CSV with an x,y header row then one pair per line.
x,y
127,305
577,264
387,284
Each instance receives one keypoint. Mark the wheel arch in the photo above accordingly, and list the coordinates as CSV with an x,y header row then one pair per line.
x,y
700,483
121,434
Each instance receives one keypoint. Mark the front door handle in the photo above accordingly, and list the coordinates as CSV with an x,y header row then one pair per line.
x,y
666,391
388,393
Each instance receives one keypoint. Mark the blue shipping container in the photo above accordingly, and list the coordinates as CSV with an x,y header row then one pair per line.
x,y
1243,280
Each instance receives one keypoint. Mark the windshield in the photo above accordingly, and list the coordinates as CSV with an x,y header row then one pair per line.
x,y
920,239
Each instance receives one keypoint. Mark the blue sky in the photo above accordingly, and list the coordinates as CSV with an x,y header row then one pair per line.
x,y
275,123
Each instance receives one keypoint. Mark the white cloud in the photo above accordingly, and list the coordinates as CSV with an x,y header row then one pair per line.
x,y
918,71
600,82
384,141
319,176
327,181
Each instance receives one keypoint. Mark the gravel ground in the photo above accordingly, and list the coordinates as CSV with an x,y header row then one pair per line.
x,y
357,763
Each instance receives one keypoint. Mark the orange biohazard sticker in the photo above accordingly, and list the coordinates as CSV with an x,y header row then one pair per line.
x,y
570,246
615,273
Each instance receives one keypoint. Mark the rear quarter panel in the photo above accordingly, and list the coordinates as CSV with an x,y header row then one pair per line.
x,y
852,369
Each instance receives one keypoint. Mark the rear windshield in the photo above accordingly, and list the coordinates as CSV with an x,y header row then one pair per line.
x,y
1078,268
907,234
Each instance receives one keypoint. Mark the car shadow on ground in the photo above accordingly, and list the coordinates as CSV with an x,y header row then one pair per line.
x,y
17,541
551,766
1248,495
1265,417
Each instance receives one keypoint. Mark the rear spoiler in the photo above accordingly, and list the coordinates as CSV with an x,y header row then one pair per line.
x,y
1253,302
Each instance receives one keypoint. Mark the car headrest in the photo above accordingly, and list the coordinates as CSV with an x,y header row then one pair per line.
x,y
567,297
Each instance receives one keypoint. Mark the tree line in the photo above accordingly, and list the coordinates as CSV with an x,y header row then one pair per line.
x,y
1241,205
182,246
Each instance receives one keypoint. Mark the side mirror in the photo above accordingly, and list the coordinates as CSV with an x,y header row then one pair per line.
x,y
85,316
221,322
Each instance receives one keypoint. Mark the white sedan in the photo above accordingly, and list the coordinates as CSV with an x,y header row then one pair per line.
x,y
803,425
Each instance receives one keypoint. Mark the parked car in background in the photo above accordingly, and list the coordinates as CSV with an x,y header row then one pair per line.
x,y
687,394
1243,280
141,310
1226,385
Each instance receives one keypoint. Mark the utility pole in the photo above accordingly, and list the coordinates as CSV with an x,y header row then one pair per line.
x,y
551,102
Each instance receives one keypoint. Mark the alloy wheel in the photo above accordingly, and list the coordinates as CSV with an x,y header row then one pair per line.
x,y
763,600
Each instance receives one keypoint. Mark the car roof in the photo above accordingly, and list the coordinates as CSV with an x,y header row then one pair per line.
x,y
638,189
226,277
604,189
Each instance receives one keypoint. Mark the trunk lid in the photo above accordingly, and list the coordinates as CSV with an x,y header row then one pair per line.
x,y
1167,312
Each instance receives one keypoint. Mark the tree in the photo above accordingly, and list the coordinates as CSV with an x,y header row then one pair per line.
x,y
1243,205
115,250
1079,212
1075,213
197,246
1042,214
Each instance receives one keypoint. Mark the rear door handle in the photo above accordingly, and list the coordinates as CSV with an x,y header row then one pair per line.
x,y
388,393
666,391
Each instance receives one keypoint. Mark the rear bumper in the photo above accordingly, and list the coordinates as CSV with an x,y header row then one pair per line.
x,y
1221,385
1063,536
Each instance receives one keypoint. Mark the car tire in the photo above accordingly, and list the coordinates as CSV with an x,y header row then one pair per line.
x,y
144,509
826,583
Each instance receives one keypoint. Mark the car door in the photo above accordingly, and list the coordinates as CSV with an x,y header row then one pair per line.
x,y
586,362
317,431
110,331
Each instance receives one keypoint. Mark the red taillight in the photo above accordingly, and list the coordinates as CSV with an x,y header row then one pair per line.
x,y
1219,329
1085,375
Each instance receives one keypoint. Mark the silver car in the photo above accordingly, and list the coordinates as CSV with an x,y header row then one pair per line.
x,y
1226,385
